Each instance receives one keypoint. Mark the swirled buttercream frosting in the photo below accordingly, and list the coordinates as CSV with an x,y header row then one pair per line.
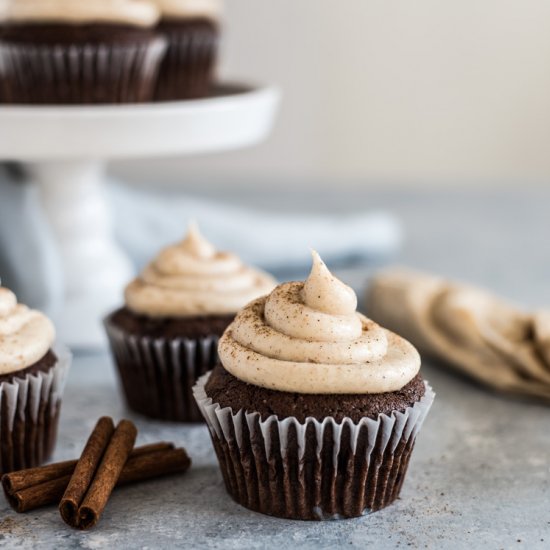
x,y
209,9
26,335
142,13
193,278
308,338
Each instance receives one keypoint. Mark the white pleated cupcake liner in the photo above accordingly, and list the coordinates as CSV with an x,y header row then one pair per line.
x,y
328,469
158,374
29,413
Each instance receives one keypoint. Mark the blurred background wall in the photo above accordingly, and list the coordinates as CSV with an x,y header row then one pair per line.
x,y
387,91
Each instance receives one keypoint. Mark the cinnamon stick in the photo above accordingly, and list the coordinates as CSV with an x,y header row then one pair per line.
x,y
33,488
97,472
151,465
36,496
85,469
22,479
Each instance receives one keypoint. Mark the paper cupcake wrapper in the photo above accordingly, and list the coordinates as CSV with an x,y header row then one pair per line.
x,y
29,414
158,375
187,68
77,74
312,470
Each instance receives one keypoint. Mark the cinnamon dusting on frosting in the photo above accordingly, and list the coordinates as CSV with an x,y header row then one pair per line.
x,y
26,335
309,338
193,278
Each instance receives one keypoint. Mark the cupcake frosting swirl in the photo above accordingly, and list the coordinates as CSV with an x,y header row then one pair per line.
x,y
209,9
142,13
193,278
308,338
26,335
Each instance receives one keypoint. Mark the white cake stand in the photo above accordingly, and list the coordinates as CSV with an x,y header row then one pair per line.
x,y
65,150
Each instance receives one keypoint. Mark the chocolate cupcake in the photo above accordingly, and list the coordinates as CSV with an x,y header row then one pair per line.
x,y
314,409
79,52
32,377
166,336
192,29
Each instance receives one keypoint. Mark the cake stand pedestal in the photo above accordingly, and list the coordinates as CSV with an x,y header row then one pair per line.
x,y
64,150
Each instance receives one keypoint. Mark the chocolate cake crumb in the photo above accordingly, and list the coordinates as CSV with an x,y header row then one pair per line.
x,y
196,326
229,391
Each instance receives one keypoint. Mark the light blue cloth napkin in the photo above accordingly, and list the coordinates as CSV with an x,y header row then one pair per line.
x,y
277,241
146,221
29,262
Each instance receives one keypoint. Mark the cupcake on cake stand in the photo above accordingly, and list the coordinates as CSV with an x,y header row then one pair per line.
x,y
65,149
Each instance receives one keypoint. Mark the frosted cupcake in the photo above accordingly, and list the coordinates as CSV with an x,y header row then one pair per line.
x,y
70,51
313,409
33,371
166,336
192,28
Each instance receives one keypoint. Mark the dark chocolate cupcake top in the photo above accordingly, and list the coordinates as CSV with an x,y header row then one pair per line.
x,y
26,335
193,278
140,13
308,338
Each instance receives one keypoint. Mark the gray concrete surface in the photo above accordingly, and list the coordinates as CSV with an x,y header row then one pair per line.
x,y
480,474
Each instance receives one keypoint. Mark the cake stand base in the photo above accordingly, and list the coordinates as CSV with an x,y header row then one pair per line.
x,y
65,150
95,269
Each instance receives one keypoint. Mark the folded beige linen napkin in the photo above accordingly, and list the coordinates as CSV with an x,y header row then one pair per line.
x,y
469,328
